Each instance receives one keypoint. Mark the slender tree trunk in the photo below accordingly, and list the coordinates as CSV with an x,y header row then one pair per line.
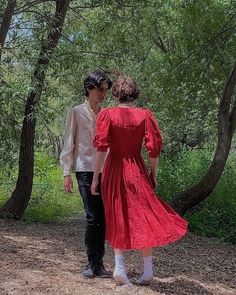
x,y
18,202
226,128
5,23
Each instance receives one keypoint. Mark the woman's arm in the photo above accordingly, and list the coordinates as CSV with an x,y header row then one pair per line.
x,y
99,161
153,166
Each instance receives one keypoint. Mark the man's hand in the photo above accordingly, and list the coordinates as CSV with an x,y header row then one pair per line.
x,y
68,184
94,187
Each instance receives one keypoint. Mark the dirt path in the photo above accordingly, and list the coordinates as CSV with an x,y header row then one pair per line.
x,y
47,259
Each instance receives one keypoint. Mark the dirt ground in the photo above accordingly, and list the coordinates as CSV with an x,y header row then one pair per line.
x,y
47,259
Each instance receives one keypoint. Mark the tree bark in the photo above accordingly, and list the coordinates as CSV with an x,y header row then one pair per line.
x,y
5,23
16,205
226,128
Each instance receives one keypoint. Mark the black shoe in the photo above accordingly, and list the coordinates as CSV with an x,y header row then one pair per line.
x,y
102,272
90,271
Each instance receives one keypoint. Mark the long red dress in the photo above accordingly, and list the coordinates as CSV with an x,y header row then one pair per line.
x,y
136,217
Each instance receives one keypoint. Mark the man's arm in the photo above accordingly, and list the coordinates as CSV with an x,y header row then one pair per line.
x,y
66,158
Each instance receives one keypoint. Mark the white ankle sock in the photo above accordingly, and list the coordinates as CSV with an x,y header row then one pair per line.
x,y
147,275
119,273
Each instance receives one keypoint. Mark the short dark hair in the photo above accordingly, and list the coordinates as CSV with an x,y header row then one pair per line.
x,y
125,89
95,79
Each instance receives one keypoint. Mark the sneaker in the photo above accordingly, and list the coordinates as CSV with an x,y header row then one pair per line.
x,y
89,271
102,272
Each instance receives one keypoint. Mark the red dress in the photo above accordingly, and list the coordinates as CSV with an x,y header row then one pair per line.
x,y
136,217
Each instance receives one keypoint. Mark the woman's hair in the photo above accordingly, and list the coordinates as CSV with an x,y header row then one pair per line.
x,y
125,89
95,80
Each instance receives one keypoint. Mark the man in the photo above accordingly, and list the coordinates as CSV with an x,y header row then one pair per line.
x,y
78,155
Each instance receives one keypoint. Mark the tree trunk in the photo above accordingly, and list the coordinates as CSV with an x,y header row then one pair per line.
x,y
226,128
5,24
18,202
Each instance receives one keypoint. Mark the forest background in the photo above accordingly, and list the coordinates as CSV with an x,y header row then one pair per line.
x,y
181,53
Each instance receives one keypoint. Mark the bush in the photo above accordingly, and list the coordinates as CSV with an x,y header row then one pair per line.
x,y
48,201
215,217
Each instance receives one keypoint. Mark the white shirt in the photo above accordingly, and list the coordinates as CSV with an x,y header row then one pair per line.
x,y
78,153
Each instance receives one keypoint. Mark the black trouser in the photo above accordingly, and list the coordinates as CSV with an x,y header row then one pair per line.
x,y
95,226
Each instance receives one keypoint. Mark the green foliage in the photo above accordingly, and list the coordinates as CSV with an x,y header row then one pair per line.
x,y
180,53
216,216
48,202
178,171
213,218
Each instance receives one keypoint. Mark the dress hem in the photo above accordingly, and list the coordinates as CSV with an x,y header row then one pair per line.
x,y
152,245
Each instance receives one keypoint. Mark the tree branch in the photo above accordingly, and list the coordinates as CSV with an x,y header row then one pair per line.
x,y
30,5
158,41
232,119
199,192
201,46
5,24
43,16
228,93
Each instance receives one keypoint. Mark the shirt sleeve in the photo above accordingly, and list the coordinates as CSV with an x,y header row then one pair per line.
x,y
153,138
66,157
101,139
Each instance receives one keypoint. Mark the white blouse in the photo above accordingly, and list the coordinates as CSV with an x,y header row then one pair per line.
x,y
78,153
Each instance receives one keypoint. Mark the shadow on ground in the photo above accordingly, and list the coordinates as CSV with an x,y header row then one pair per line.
x,y
48,258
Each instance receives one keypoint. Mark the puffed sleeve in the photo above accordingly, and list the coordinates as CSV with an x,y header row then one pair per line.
x,y
66,157
101,138
153,137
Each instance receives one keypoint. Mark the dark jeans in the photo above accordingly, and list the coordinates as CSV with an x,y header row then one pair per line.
x,y
95,226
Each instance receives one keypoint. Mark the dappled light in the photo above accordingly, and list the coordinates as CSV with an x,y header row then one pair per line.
x,y
47,258
172,63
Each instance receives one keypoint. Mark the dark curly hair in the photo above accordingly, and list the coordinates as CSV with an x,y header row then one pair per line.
x,y
125,89
95,80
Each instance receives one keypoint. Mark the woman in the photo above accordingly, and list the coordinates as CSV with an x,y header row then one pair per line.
x,y
135,217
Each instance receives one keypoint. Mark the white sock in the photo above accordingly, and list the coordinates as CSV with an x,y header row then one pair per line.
x,y
119,274
147,275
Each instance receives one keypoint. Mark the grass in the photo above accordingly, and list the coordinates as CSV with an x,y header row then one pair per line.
x,y
48,202
213,218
